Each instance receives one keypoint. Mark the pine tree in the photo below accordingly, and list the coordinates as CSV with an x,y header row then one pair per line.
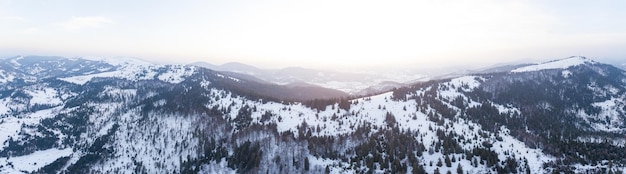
x,y
418,169
306,163
459,169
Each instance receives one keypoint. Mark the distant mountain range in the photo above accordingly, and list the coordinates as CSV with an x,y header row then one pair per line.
x,y
74,115
352,83
359,84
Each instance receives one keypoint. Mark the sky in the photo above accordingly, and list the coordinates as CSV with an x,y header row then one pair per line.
x,y
329,34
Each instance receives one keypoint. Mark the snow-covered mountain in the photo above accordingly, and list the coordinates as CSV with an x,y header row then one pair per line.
x,y
130,116
352,83
556,64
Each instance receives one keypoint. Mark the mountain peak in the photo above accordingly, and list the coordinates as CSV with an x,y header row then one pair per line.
x,y
556,64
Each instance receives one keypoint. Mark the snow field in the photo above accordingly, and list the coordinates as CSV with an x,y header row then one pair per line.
x,y
558,64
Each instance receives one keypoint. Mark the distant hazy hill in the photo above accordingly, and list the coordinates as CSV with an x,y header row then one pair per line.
x,y
352,83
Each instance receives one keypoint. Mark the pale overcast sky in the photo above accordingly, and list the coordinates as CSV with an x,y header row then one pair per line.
x,y
316,33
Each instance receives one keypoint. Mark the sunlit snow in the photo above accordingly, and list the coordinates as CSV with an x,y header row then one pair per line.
x,y
558,64
32,162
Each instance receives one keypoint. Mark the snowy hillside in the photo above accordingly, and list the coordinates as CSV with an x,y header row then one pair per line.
x,y
557,64
170,131
129,116
133,70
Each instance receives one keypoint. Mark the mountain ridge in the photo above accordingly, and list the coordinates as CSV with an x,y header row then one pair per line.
x,y
352,83
543,121
557,64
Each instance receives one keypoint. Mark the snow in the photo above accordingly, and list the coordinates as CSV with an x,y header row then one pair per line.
x,y
566,73
471,81
215,167
117,93
205,84
615,141
176,74
465,84
348,87
4,106
558,64
603,165
166,138
535,157
372,110
81,80
228,77
10,126
506,109
13,105
5,77
171,138
159,103
45,96
14,61
156,142
333,165
135,70
609,119
34,161
376,82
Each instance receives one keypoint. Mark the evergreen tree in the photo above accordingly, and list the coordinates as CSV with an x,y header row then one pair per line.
x,y
447,160
306,164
